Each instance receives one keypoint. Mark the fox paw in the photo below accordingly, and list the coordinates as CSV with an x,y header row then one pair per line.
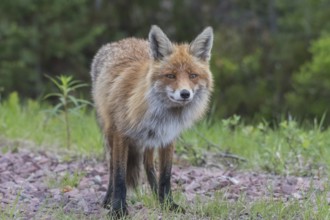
x,y
118,213
106,203
174,207
177,208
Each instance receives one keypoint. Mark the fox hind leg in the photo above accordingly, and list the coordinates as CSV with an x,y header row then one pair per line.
x,y
107,199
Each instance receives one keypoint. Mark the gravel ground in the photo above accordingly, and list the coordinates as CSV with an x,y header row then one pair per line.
x,y
30,181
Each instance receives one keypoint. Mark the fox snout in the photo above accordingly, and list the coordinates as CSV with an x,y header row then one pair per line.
x,y
181,96
185,94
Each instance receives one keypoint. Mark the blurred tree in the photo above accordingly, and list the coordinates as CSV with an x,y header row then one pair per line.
x,y
39,37
311,93
259,49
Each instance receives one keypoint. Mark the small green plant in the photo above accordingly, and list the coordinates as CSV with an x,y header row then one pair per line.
x,y
11,211
231,122
66,102
68,180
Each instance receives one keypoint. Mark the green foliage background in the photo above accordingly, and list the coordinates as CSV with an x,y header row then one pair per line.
x,y
269,58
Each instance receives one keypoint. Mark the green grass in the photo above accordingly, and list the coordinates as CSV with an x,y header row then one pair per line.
x,y
12,210
288,149
218,207
70,180
34,121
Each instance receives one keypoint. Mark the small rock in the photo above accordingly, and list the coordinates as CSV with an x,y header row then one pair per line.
x,y
288,189
83,205
98,179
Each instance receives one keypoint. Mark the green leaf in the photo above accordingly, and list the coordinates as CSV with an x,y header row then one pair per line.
x,y
73,100
52,95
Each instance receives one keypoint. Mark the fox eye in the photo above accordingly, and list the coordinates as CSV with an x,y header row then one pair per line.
x,y
193,76
170,76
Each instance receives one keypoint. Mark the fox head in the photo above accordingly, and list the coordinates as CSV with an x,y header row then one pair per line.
x,y
180,72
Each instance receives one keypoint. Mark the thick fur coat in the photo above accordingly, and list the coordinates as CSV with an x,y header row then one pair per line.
x,y
146,92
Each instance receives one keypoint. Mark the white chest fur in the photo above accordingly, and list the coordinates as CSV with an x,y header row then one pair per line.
x,y
159,128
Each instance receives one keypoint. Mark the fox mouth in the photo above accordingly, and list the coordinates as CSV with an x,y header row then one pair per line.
x,y
180,101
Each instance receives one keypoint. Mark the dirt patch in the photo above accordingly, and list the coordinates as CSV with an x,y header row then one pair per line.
x,y
34,183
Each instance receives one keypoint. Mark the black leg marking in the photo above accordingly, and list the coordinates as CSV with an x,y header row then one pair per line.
x,y
164,190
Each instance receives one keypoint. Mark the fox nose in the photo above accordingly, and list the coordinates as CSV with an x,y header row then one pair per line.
x,y
185,94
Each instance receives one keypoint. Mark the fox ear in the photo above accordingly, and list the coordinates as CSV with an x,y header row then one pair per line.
x,y
202,45
160,45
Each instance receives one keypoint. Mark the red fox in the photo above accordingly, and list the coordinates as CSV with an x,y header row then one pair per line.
x,y
146,93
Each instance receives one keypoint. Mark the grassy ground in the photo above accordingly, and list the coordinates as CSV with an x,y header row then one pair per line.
x,y
314,207
36,122
288,149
